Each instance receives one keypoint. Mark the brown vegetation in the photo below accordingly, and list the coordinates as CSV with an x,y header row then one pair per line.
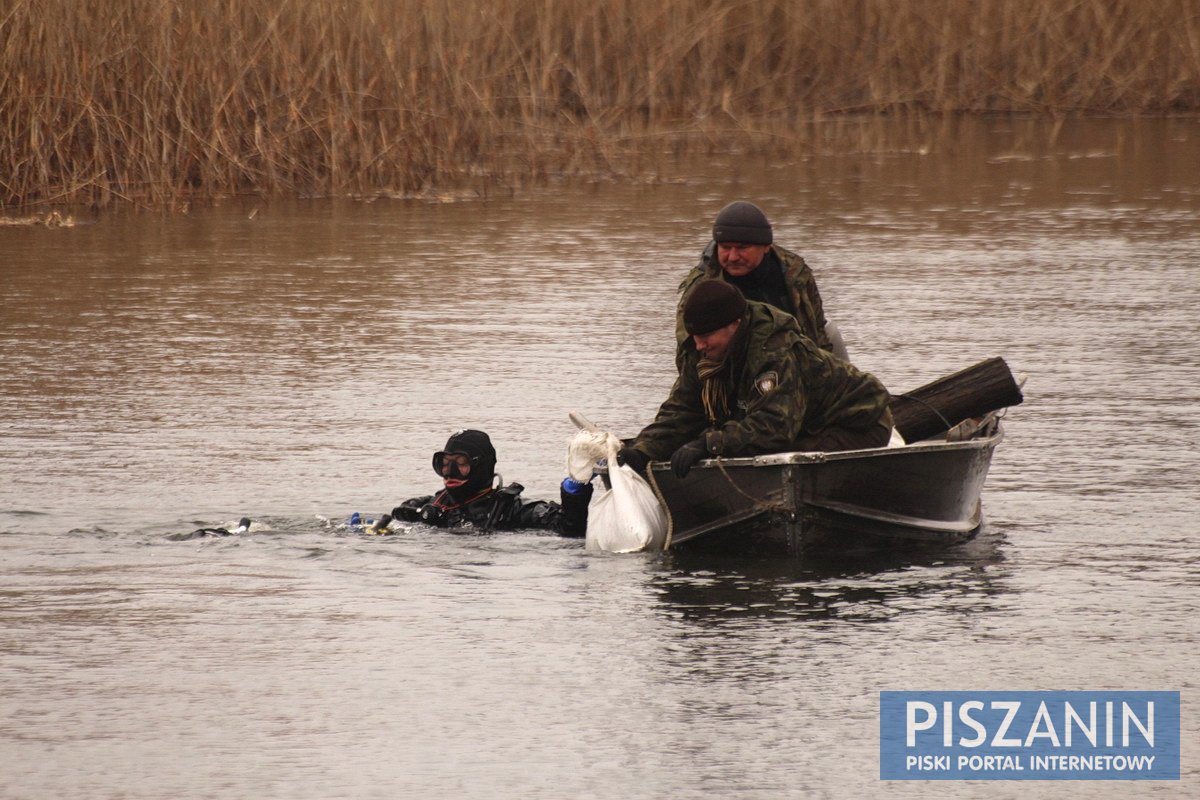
x,y
155,101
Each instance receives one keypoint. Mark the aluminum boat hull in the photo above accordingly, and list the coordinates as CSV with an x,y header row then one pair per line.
x,y
923,493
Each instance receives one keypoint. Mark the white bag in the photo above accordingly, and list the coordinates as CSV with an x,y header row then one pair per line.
x,y
626,518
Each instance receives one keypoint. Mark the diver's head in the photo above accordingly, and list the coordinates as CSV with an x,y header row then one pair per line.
x,y
467,463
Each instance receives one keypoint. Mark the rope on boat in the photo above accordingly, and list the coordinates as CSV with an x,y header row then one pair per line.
x,y
932,408
758,502
666,508
763,504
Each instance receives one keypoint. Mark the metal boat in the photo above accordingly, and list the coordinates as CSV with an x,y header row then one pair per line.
x,y
927,492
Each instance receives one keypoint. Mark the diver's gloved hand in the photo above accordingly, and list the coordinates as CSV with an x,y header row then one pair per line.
x,y
431,514
683,459
628,456
572,486
409,511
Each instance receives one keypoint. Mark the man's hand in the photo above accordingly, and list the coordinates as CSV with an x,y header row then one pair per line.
x,y
627,456
683,459
431,514
572,486
409,511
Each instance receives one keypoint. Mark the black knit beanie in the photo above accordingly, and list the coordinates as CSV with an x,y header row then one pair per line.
x,y
712,305
742,222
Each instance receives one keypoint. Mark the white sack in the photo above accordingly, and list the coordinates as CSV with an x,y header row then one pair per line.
x,y
626,518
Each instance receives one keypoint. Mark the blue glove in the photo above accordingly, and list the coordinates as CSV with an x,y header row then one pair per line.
x,y
572,486
683,459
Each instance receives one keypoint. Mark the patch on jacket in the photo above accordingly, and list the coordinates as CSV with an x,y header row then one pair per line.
x,y
766,382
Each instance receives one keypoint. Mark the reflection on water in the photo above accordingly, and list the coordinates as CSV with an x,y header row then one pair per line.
x,y
866,588
747,620
296,362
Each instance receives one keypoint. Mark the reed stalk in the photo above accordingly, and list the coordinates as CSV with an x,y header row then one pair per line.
x,y
163,101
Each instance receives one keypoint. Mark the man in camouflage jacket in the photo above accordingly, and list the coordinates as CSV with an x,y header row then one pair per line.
x,y
742,252
752,383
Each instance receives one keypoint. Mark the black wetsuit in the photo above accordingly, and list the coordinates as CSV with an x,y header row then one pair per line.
x,y
501,509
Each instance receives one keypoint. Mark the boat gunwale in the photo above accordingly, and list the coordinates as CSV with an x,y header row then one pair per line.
x,y
820,457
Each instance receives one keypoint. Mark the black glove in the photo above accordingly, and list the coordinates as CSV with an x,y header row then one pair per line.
x,y
683,459
431,515
636,459
409,511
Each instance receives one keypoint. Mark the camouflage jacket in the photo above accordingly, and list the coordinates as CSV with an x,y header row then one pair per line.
x,y
801,289
781,388
501,510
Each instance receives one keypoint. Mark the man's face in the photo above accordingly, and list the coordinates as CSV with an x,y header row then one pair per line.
x,y
715,344
738,258
455,469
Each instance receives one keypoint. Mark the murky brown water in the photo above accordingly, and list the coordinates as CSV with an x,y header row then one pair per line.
x,y
296,362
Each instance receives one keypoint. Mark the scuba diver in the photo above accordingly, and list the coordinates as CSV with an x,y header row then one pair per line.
x,y
243,526
474,496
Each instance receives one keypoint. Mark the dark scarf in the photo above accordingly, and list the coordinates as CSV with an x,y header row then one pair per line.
x,y
766,284
714,388
716,379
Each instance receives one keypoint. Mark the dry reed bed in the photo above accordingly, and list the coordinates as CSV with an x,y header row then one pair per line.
x,y
155,101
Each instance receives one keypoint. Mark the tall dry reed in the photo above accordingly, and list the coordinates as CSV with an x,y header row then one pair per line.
x,y
156,101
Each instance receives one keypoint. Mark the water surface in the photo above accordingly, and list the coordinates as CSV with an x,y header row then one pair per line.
x,y
295,362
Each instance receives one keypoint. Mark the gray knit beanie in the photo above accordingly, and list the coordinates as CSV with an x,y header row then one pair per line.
x,y
742,222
